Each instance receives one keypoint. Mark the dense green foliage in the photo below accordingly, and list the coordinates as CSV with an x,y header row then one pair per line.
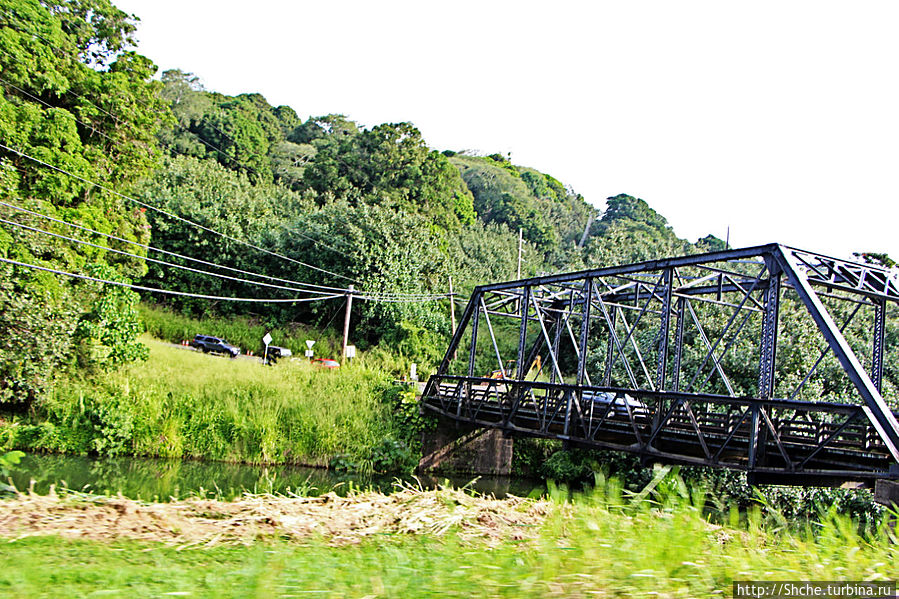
x,y
75,98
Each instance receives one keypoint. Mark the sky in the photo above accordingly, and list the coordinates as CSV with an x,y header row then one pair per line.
x,y
776,120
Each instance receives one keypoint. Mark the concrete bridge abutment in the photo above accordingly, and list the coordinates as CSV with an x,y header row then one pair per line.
x,y
459,448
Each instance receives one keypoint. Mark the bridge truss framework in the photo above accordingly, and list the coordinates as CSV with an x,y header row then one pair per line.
x,y
677,360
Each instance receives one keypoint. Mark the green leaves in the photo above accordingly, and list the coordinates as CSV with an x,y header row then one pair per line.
x,y
106,334
74,98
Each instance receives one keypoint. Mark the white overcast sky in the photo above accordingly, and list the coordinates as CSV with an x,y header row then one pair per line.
x,y
777,119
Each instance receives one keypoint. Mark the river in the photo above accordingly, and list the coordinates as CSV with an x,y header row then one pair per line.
x,y
161,480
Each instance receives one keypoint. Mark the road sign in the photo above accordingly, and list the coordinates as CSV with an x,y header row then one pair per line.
x,y
267,339
350,351
309,353
310,343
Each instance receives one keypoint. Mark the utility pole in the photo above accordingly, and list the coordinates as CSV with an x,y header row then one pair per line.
x,y
452,310
452,306
520,236
346,323
590,220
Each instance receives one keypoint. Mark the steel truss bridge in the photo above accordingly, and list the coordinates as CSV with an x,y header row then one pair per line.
x,y
734,359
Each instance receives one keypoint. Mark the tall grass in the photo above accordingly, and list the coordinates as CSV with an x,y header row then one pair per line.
x,y
184,404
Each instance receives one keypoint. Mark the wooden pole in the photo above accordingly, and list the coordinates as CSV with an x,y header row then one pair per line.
x,y
346,324
520,237
452,310
452,306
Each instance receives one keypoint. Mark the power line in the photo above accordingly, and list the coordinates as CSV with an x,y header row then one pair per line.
x,y
432,298
317,242
147,258
171,215
309,287
48,105
167,291
169,253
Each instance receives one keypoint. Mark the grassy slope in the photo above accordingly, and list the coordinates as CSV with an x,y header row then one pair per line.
x,y
182,403
243,332
602,544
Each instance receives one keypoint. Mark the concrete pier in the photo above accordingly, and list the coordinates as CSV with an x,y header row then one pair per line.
x,y
464,449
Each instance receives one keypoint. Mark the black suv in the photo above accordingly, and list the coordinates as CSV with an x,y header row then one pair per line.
x,y
207,344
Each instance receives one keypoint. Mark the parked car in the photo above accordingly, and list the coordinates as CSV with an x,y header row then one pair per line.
x,y
620,403
326,363
275,353
217,345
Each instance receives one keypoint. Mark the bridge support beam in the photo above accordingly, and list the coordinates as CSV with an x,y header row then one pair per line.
x,y
465,449
886,492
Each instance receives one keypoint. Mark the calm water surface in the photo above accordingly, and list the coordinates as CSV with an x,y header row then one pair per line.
x,y
162,480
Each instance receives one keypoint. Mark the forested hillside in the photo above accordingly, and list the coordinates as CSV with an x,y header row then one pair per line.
x,y
146,170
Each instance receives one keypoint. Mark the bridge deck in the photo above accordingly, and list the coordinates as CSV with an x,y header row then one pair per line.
x,y
813,442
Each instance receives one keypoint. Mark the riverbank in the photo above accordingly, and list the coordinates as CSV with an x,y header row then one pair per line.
x,y
422,543
184,404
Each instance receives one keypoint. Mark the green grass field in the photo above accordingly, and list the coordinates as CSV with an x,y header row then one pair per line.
x,y
184,404
602,544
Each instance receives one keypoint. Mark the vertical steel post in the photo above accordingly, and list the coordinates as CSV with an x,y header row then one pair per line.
x,y
585,331
472,351
880,308
678,343
523,334
768,348
767,355
664,325
754,437
557,338
476,318
607,375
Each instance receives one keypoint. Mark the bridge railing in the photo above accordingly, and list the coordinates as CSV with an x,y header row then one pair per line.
x,y
808,440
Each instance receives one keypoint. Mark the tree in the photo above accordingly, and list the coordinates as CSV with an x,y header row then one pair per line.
x,y
388,165
209,194
78,99
381,250
631,231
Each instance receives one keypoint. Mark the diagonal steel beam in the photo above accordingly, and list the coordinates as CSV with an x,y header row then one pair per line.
x,y
881,416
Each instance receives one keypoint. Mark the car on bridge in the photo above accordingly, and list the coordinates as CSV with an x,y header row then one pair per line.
x,y
620,403
217,345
